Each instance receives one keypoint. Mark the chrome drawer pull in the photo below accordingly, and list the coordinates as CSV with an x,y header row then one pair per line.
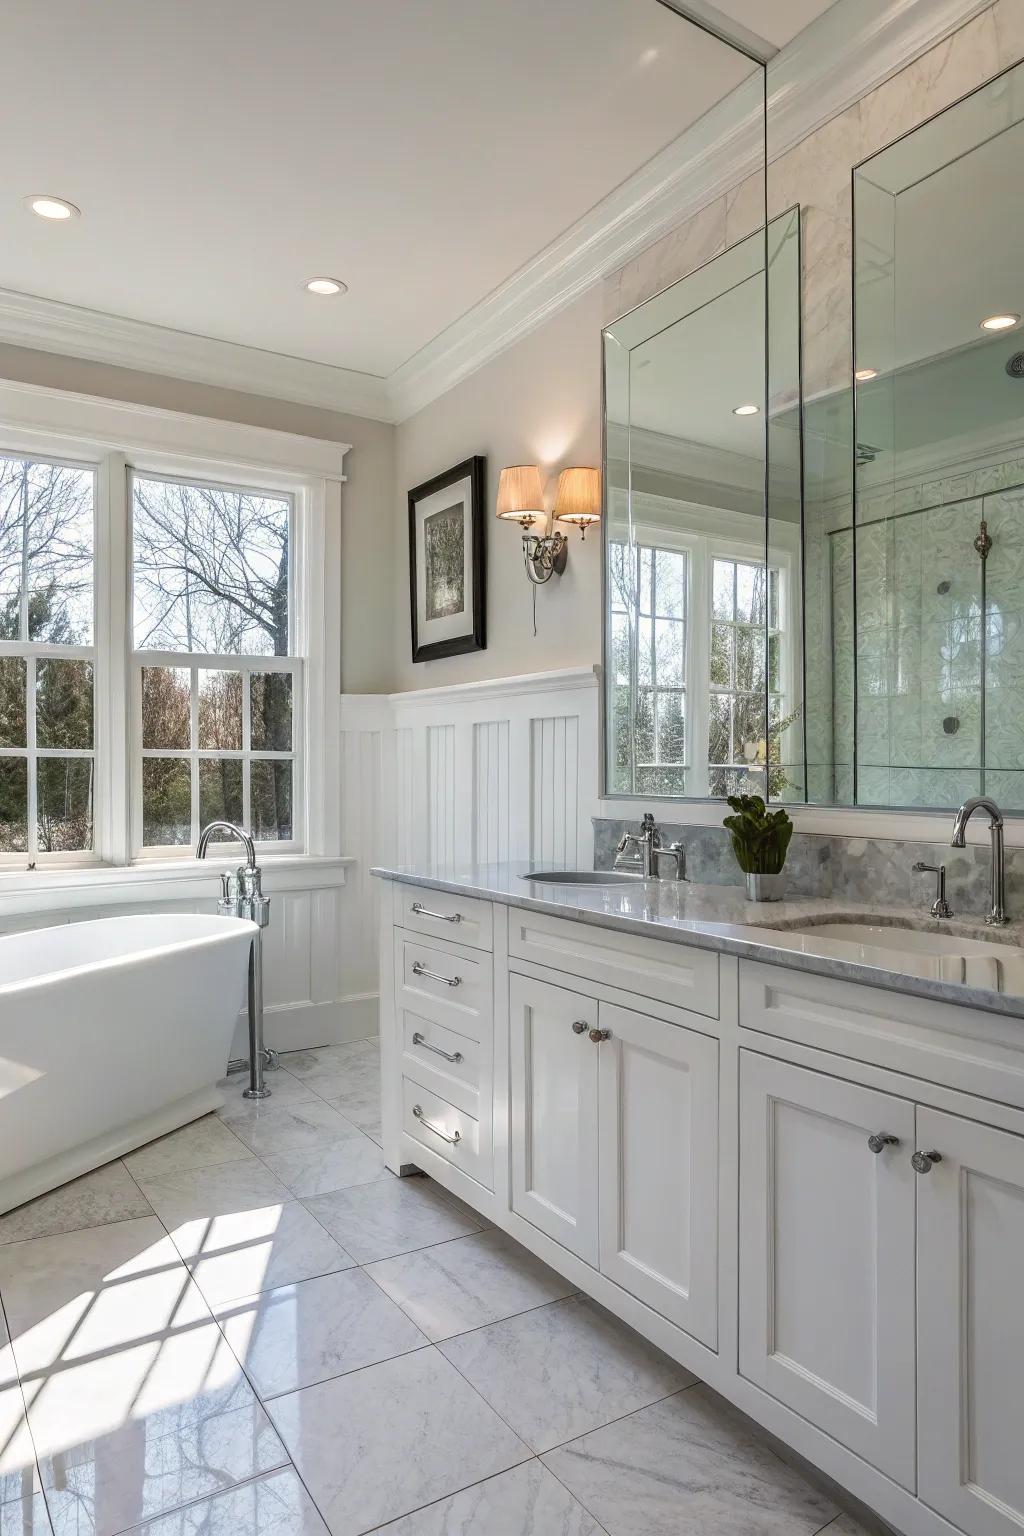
x,y
419,969
419,1039
442,917
452,1141
878,1142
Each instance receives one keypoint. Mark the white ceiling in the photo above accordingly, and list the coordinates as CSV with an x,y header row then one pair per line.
x,y
221,154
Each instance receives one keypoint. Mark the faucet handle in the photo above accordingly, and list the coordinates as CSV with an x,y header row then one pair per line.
x,y
940,906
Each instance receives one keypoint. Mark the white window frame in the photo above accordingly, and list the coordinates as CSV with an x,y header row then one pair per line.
x,y
31,652
114,439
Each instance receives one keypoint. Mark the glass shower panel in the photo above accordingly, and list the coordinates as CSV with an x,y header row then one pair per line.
x,y
1003,696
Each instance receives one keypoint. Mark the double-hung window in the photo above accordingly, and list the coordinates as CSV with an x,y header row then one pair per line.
x,y
169,634
47,660
216,684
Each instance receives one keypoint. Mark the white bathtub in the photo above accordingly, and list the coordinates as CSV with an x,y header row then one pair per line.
x,y
111,1032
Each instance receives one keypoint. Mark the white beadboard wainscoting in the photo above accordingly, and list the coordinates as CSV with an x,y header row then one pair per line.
x,y
319,989
478,772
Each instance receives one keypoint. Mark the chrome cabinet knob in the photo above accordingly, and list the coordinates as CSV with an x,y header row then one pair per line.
x,y
579,1027
921,1162
880,1140
597,1035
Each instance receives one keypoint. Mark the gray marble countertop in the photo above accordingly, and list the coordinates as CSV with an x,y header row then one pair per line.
x,y
719,917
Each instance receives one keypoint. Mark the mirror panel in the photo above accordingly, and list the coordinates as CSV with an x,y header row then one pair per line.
x,y
703,629
932,631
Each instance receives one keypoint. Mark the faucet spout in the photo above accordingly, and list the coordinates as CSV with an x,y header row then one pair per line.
x,y
208,833
997,915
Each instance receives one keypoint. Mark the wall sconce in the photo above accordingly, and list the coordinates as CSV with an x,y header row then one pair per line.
x,y
521,500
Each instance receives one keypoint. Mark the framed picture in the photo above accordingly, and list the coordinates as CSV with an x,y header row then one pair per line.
x,y
447,569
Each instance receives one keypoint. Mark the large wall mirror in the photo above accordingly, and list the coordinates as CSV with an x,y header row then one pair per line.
x,y
703,628
930,634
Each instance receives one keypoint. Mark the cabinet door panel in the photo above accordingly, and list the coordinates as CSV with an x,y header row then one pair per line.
x,y
971,1324
658,1163
553,1083
827,1256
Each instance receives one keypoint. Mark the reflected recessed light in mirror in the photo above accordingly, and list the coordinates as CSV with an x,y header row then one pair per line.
x,y
56,208
863,374
746,410
325,286
1000,322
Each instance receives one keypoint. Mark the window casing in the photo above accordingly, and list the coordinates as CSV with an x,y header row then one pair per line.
x,y
105,443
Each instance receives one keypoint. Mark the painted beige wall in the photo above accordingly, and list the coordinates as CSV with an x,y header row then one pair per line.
x,y
538,403
365,581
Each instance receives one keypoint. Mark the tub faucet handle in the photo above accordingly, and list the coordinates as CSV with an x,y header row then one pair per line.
x,y
228,904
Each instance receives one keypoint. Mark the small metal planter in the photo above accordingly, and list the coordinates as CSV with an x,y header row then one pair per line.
x,y
766,887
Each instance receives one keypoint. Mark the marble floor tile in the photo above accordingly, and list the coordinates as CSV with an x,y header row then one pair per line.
x,y
844,1525
284,1089
379,1443
298,1335
201,1144
361,1105
108,1194
136,1403
527,1501
684,1467
249,1251
469,1282
331,1165
289,1127
199,1193
377,1221
19,1477
563,1369
325,1059
274,1505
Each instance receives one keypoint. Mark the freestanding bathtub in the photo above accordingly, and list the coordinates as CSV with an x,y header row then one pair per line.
x,y
111,1032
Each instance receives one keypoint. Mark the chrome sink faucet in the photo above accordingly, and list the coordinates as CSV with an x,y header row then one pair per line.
x,y
997,915
940,906
644,848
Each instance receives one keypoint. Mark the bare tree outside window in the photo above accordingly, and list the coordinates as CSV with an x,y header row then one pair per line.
x,y
211,568
46,658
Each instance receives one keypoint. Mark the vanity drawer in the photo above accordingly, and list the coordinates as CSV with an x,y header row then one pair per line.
x,y
442,915
445,982
446,1131
654,968
428,1049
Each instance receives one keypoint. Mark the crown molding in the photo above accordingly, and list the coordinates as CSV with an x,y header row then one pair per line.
x,y
50,326
847,52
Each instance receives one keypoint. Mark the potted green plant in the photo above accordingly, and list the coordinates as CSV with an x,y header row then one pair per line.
x,y
760,841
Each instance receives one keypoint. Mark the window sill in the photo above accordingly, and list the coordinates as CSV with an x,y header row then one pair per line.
x,y
55,889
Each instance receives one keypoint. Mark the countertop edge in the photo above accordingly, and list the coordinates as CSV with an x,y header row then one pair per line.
x,y
706,935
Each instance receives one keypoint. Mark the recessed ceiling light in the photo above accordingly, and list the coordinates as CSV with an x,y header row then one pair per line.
x,y
326,285
863,374
1000,322
745,410
52,207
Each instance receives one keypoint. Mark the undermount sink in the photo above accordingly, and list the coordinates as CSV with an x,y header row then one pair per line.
x,y
940,956
579,877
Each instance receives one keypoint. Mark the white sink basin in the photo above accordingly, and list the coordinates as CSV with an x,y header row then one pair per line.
x,y
941,956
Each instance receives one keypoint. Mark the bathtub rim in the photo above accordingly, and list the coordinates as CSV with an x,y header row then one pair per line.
x,y
234,929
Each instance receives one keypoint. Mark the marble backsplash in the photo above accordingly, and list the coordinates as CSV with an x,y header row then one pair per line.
x,y
856,869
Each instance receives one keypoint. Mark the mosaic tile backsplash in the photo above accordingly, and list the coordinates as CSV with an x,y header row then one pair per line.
x,y
856,869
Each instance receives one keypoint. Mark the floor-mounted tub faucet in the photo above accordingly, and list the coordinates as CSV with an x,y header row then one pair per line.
x,y
997,914
242,895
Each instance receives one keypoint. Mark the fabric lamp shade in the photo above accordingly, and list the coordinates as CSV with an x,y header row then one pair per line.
x,y
520,494
579,496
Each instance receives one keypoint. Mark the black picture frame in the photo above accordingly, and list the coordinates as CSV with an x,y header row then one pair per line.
x,y
471,637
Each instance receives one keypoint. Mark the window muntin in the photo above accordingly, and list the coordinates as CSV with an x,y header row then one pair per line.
x,y
216,688
47,662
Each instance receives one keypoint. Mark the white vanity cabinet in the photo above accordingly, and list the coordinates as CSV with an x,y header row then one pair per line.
x,y
826,1274
719,1150
970,1324
614,1136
